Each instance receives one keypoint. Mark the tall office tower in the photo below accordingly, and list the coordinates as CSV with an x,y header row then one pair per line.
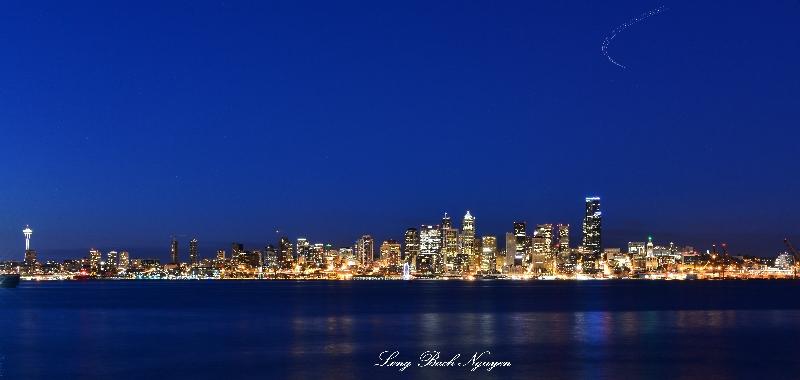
x,y
220,254
429,260
194,258
112,259
411,247
591,234
303,249
488,254
270,258
237,249
124,260
285,258
450,244
95,256
563,238
542,248
390,252
521,244
316,256
467,255
638,255
511,249
365,251
173,251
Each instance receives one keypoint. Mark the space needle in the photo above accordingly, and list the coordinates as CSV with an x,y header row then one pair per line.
x,y
27,232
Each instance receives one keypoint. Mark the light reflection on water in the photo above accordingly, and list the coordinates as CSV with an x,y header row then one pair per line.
x,y
120,332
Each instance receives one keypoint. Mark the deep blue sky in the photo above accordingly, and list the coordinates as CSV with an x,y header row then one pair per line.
x,y
123,123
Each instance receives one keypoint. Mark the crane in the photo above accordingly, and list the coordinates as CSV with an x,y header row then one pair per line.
x,y
795,254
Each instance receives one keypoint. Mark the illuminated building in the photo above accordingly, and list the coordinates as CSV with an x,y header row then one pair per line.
x,y
316,256
390,252
302,249
270,258
429,261
365,251
521,243
449,243
173,251
488,254
194,258
220,254
236,250
411,247
591,234
638,255
95,256
467,255
112,259
784,261
124,260
285,258
542,258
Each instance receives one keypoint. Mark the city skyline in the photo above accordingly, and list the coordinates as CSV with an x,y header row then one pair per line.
x,y
388,115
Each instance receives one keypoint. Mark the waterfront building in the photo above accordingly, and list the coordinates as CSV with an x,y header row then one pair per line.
x,y
592,242
173,251
285,258
390,253
221,254
194,257
429,261
112,259
521,244
468,256
124,260
450,244
365,251
411,247
511,249
302,249
488,257
542,258
95,256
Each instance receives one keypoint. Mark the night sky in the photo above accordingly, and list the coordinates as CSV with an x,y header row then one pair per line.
x,y
125,122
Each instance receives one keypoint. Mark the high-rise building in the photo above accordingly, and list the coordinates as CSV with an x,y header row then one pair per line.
x,y
591,234
429,260
173,251
236,250
270,258
124,260
365,251
221,254
542,259
511,249
521,244
95,256
112,259
450,245
467,255
411,247
303,249
194,257
563,238
285,258
316,256
488,254
390,252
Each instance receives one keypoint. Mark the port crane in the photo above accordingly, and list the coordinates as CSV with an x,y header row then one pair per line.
x,y
795,254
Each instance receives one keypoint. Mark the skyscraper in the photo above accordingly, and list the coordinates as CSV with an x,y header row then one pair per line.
x,y
194,258
542,259
411,247
591,234
95,256
467,254
365,251
173,251
488,254
285,259
429,260
124,260
450,244
303,249
521,243
390,252
511,249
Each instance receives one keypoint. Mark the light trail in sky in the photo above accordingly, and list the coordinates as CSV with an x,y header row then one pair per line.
x,y
607,40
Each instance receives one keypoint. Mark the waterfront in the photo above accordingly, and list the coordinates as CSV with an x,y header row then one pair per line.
x,y
302,329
